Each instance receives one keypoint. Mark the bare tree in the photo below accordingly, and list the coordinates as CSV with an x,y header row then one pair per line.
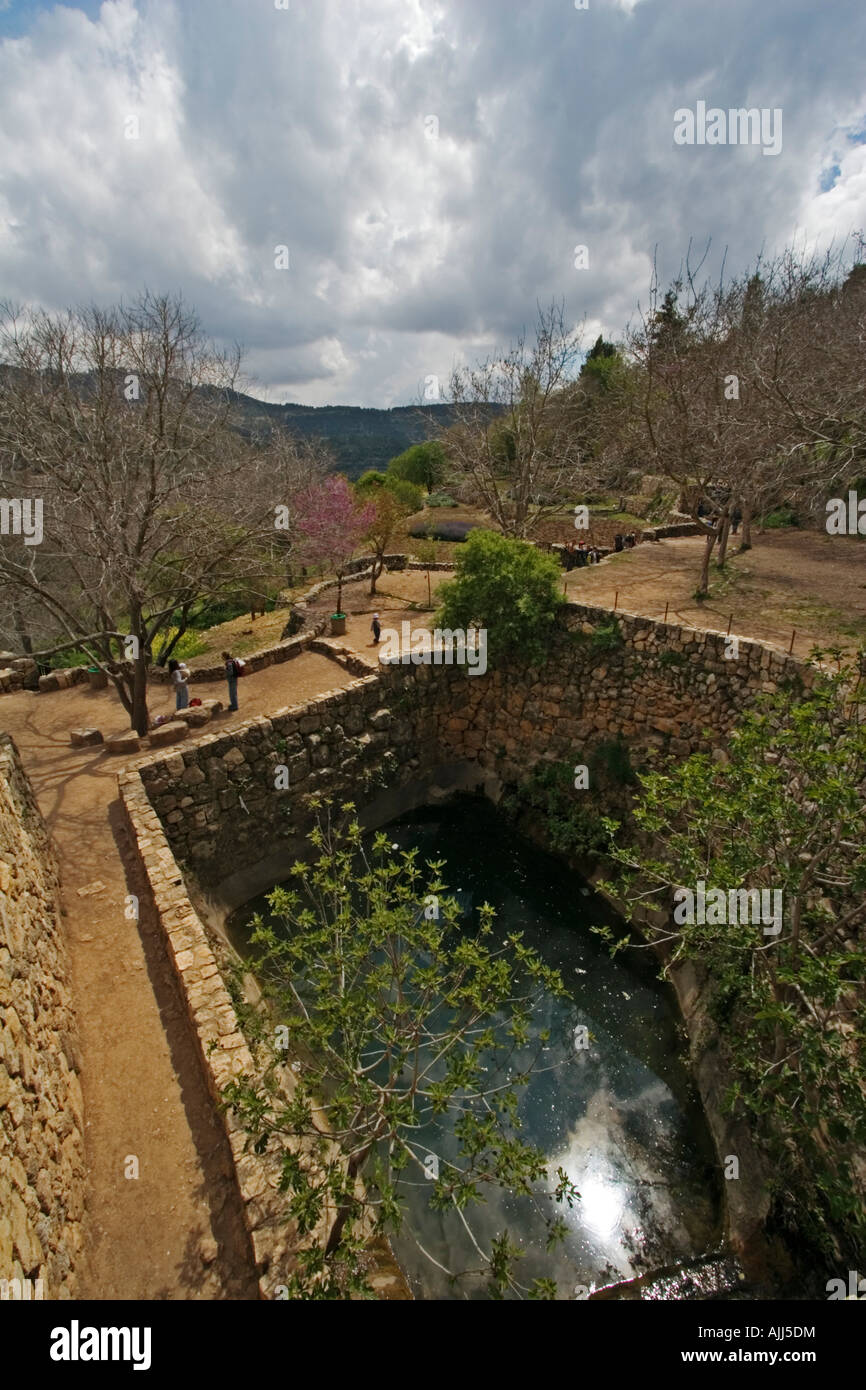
x,y
525,463
119,422
750,390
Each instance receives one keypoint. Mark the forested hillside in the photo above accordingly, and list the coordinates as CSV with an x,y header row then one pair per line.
x,y
360,438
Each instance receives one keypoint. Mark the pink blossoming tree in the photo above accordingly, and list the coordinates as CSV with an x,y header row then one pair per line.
x,y
332,523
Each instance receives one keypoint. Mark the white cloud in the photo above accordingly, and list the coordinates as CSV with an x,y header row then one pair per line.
x,y
307,127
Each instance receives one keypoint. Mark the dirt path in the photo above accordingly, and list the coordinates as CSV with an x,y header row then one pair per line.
x,y
800,580
175,1232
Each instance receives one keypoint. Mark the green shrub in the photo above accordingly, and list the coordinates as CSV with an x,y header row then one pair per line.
x,y
440,499
406,493
508,587
573,822
607,637
612,760
778,518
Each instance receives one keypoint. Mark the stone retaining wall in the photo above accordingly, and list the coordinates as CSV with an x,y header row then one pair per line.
x,y
679,528
217,808
257,661
42,1175
17,673
223,1050
653,684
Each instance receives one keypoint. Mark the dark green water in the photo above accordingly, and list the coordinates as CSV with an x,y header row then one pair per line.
x,y
621,1117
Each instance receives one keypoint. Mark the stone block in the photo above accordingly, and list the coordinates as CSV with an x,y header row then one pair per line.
x,y
194,717
85,738
172,732
48,682
124,743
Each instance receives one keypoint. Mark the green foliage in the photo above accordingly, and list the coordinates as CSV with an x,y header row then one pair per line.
x,y
372,483
406,493
575,818
779,518
786,813
573,821
603,365
607,637
672,658
212,612
440,499
369,481
399,1021
422,464
508,587
185,648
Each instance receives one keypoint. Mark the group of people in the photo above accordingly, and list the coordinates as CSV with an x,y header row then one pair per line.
x,y
179,676
578,554
626,542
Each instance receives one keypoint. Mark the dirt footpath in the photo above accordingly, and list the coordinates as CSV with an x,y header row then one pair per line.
x,y
176,1231
792,580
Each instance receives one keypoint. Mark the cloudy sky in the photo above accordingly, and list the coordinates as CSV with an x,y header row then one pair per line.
x,y
430,165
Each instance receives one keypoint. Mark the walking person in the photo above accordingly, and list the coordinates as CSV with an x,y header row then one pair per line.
x,y
376,629
232,678
179,674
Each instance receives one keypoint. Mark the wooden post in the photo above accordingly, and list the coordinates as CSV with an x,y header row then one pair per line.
x,y
667,605
730,620
793,635
615,600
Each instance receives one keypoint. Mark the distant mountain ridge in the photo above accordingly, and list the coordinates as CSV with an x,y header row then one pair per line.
x,y
361,437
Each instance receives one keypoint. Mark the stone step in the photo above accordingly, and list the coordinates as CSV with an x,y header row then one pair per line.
x,y
172,732
84,738
124,743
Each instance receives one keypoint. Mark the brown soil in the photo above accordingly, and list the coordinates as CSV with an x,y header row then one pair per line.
x,y
791,581
176,1231
395,592
800,581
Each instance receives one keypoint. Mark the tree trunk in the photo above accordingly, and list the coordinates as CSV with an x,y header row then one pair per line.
x,y
346,1208
746,542
139,694
23,635
376,570
704,582
724,532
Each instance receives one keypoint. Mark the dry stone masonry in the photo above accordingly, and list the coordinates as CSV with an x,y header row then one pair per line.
x,y
654,684
41,1110
222,803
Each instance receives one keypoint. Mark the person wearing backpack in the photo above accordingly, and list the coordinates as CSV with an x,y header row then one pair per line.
x,y
233,670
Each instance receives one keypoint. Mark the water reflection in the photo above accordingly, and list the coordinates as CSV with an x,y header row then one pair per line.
x,y
619,1116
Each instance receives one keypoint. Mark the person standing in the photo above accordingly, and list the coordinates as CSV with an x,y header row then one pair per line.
x,y
179,674
232,678
376,629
